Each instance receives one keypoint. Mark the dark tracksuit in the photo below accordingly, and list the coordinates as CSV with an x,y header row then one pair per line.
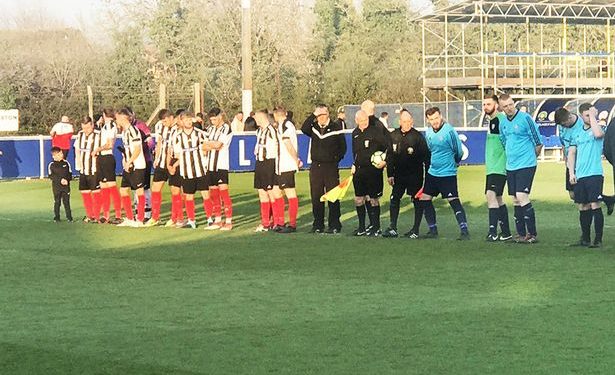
x,y
58,170
328,147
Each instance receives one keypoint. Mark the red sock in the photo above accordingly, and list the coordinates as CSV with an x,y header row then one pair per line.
x,y
190,211
156,203
106,202
96,204
127,205
278,212
214,194
208,206
228,204
265,208
141,208
87,203
293,209
117,201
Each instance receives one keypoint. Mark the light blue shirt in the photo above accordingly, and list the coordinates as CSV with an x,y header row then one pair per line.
x,y
589,154
520,136
566,135
446,150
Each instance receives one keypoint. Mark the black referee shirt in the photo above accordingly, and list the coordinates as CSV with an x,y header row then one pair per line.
x,y
366,142
410,154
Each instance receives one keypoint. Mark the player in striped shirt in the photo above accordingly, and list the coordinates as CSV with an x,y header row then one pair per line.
x,y
188,145
175,179
446,153
88,140
163,133
219,137
289,165
133,163
266,152
106,168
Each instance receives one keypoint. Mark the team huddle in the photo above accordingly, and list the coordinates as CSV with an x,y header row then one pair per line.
x,y
192,160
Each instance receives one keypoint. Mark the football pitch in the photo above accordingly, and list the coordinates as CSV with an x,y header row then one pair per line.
x,y
95,299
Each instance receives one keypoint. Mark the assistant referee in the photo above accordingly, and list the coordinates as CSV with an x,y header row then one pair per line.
x,y
328,148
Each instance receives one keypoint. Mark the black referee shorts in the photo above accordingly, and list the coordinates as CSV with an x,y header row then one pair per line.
x,y
192,185
215,178
133,179
161,174
406,185
264,175
368,181
88,182
495,183
588,190
447,186
105,165
286,180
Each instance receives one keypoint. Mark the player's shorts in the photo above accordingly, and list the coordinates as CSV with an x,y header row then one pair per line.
x,y
368,181
569,186
105,165
588,190
147,176
192,185
161,174
88,182
175,179
133,179
264,175
495,183
286,180
446,186
406,185
520,180
215,178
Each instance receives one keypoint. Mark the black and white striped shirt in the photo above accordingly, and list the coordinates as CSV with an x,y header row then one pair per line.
x,y
188,149
164,137
131,138
268,146
84,145
108,131
219,159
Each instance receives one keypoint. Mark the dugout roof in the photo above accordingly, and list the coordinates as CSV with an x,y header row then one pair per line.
x,y
587,12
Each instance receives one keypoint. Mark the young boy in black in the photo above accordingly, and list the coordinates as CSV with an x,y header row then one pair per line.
x,y
60,173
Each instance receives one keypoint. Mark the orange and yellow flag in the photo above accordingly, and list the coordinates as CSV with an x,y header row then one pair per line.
x,y
337,192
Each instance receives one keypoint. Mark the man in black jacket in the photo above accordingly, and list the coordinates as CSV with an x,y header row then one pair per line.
x,y
328,147
405,171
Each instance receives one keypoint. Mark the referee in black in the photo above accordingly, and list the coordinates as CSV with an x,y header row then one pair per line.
x,y
328,147
405,171
368,179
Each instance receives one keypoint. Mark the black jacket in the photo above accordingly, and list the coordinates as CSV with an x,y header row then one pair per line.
x,y
58,170
328,143
410,155
609,144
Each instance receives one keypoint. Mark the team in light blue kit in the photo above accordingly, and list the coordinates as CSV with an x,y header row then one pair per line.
x,y
446,153
522,142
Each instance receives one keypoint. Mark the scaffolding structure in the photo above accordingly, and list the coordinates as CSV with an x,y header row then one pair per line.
x,y
460,61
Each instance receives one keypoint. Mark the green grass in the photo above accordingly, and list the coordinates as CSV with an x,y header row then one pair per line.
x,y
77,298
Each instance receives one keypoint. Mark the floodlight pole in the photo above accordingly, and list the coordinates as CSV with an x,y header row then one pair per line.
x,y
246,58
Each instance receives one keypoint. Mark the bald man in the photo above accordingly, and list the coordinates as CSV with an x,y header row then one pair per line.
x,y
405,170
368,179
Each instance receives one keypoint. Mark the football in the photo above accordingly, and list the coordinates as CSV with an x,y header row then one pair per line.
x,y
378,157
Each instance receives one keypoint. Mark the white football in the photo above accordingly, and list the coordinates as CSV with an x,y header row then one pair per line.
x,y
378,157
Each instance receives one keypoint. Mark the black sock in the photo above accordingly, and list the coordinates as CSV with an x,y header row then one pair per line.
x,y
585,218
519,222
376,217
493,221
430,216
460,214
394,211
530,219
503,218
419,209
361,216
598,224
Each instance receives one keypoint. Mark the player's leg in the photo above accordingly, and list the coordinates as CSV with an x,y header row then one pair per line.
x,y
265,206
374,211
57,201
525,180
190,211
511,181
160,177
359,203
208,209
430,190
494,208
66,202
331,178
216,205
293,208
317,189
86,197
125,198
450,190
275,196
585,213
225,196
594,188
399,188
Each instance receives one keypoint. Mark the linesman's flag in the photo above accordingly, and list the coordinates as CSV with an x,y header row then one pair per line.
x,y
338,192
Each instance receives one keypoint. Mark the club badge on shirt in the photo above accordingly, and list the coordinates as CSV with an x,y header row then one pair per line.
x,y
410,151
394,147
366,142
